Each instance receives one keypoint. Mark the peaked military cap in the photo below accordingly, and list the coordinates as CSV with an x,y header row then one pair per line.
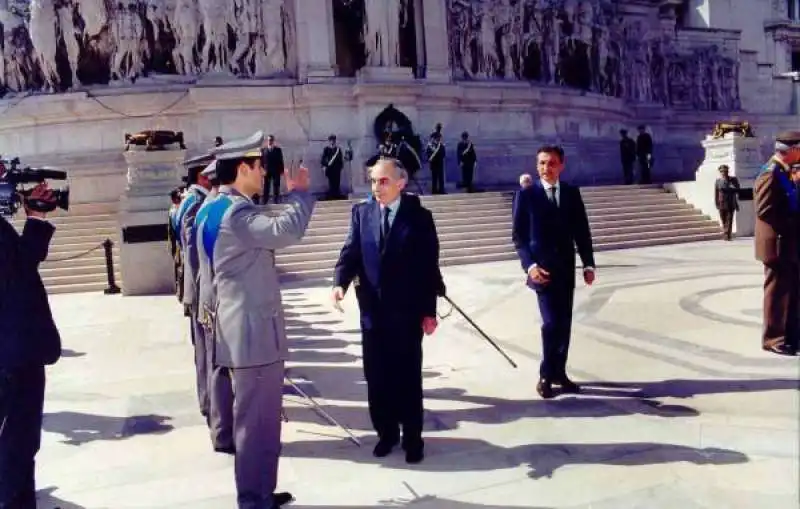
x,y
210,171
241,149
787,139
200,161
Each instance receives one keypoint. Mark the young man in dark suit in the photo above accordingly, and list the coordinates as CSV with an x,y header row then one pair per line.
x,y
29,341
272,162
391,256
549,221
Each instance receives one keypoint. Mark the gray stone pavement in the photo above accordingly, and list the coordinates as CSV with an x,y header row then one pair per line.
x,y
681,407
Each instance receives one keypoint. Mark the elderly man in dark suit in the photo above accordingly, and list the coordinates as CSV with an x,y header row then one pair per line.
x,y
777,244
29,341
549,220
391,256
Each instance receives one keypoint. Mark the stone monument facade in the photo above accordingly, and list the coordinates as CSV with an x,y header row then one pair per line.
x,y
513,73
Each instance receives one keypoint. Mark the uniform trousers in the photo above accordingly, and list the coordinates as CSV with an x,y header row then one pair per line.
x,y
781,304
21,408
393,370
726,218
437,174
257,405
200,362
220,397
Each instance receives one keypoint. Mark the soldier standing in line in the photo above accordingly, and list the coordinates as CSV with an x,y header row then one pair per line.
x,y
241,239
467,158
220,389
332,163
436,155
198,190
726,198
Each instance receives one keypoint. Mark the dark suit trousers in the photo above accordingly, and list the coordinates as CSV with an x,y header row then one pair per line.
x,y
726,217
21,407
437,173
644,168
781,304
334,183
467,175
627,171
555,306
271,181
393,369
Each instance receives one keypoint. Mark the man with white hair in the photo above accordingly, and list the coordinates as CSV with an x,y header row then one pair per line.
x,y
391,257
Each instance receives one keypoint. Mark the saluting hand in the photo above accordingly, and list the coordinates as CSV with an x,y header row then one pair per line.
x,y
299,180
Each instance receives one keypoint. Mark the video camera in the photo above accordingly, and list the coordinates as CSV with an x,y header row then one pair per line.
x,y
11,196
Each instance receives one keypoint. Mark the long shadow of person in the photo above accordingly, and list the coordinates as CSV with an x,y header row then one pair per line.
x,y
683,388
473,455
80,428
46,500
426,502
68,353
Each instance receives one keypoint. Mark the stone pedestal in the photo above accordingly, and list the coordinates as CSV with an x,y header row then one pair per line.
x,y
147,267
385,74
743,157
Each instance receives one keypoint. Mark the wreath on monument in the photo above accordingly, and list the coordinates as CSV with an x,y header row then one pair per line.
x,y
154,140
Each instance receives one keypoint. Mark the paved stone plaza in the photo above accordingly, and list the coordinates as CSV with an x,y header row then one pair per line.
x,y
681,408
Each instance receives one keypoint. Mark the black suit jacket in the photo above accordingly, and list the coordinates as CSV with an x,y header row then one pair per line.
x,y
399,284
547,235
28,335
272,160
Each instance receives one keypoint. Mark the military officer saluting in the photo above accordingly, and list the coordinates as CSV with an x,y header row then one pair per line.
x,y
218,380
241,239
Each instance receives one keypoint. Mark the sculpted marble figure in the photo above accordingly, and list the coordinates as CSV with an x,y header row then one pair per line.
x,y
128,32
382,32
216,16
186,25
43,26
71,34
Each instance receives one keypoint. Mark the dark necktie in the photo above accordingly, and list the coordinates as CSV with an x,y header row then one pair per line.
x,y
553,199
385,226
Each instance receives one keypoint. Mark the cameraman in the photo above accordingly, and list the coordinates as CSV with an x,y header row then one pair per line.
x,y
29,341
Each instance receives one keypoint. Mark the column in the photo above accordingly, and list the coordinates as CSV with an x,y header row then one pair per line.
x,y
437,45
145,262
316,45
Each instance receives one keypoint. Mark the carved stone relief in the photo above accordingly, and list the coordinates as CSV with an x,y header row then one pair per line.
x,y
385,36
57,45
590,45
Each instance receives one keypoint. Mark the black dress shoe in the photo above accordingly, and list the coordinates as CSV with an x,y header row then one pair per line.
x,y
384,447
781,349
225,449
414,455
568,386
544,388
281,498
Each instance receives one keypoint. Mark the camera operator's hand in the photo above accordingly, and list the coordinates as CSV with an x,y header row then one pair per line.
x,y
40,192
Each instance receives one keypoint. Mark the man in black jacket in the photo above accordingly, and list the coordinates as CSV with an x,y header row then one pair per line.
x,y
391,256
272,162
29,341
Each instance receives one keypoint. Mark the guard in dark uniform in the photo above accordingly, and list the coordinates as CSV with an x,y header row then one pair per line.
x,y
273,164
436,155
388,148
332,163
467,159
777,242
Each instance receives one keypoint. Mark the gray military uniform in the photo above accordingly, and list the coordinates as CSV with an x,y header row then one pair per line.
x,y
190,268
251,336
220,391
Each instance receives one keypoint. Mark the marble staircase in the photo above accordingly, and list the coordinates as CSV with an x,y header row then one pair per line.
x,y
76,260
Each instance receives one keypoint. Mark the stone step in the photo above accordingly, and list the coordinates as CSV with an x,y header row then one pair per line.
x,y
103,231
79,278
70,248
93,260
48,272
76,219
96,287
